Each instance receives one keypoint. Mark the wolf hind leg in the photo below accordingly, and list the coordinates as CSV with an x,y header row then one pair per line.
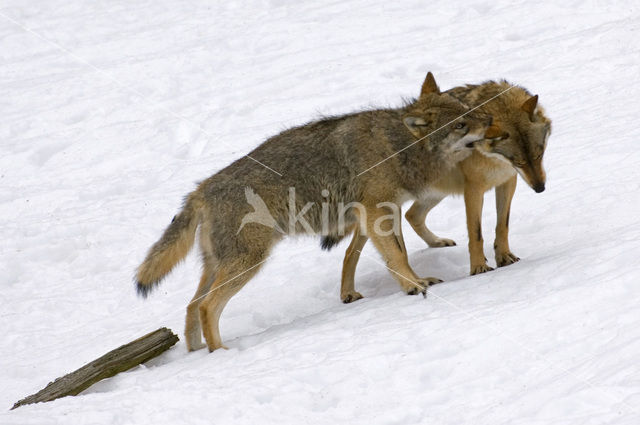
x,y
193,329
230,278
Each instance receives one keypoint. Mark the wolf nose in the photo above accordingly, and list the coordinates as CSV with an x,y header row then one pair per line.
x,y
539,187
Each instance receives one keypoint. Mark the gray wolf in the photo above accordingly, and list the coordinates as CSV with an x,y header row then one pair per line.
x,y
403,151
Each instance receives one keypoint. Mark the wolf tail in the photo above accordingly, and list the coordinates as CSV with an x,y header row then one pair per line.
x,y
173,246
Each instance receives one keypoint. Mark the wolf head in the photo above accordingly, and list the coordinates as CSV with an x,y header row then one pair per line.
x,y
449,124
521,140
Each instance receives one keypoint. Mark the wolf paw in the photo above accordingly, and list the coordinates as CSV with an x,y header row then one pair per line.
x,y
441,242
212,349
506,258
482,268
195,346
422,285
351,297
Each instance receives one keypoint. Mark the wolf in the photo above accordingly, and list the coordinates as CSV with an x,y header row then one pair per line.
x,y
359,167
515,144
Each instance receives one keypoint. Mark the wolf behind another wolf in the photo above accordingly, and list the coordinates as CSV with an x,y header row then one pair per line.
x,y
514,145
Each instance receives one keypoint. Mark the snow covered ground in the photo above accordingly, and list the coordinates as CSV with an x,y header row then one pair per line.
x,y
111,111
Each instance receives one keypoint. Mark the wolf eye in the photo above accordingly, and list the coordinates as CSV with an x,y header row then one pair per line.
x,y
460,125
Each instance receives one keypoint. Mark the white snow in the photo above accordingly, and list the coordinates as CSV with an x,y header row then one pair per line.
x,y
111,111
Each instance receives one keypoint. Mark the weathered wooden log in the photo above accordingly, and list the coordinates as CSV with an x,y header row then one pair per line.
x,y
115,361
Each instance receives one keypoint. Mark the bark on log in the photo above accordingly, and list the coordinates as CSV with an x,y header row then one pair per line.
x,y
112,363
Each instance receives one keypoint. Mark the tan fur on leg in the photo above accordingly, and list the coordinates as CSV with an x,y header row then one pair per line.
x,y
348,293
473,200
394,252
228,282
504,195
193,330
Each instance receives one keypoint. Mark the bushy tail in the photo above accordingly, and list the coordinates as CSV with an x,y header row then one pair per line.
x,y
173,246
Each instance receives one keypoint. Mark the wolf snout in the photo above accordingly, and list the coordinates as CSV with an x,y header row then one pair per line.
x,y
469,141
539,187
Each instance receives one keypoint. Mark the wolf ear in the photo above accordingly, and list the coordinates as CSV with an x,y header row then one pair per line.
x,y
529,106
415,125
429,86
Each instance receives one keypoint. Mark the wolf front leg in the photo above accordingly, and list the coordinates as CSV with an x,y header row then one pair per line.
x,y
504,195
473,200
348,293
386,234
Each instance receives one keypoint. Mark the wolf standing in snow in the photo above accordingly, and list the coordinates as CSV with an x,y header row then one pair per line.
x,y
514,145
369,161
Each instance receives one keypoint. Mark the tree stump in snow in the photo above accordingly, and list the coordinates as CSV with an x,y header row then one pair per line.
x,y
112,363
